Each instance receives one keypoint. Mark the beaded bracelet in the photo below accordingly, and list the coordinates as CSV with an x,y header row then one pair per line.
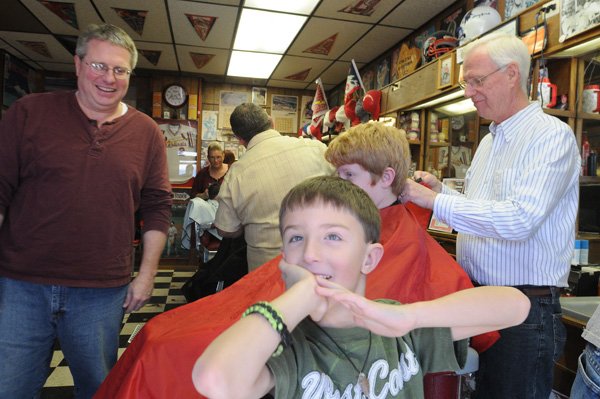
x,y
272,315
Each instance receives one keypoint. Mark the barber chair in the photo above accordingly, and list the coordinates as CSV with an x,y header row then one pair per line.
x,y
453,385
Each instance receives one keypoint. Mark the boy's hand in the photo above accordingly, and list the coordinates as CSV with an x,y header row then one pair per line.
x,y
380,318
298,277
292,273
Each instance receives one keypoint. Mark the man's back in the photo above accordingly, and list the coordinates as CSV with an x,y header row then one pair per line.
x,y
252,191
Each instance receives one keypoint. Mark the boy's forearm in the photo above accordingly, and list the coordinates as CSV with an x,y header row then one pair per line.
x,y
473,311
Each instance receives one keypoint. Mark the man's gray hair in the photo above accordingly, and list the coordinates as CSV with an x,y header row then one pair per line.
x,y
503,49
106,33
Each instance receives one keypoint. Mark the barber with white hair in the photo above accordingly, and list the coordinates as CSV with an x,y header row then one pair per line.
x,y
516,218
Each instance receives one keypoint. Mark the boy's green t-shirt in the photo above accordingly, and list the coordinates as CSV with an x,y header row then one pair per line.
x,y
313,367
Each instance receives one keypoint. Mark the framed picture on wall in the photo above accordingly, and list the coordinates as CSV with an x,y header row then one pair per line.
x,y
445,74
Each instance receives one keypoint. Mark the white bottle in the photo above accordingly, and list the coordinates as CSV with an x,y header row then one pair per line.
x,y
585,250
576,253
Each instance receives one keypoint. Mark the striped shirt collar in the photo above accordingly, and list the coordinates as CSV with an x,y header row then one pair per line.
x,y
505,128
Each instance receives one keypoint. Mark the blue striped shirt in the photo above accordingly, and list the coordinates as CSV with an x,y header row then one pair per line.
x,y
516,218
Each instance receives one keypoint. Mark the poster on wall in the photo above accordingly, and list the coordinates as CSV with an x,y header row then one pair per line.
x,y
228,100
515,7
173,248
209,125
284,112
181,140
306,107
577,16
259,96
18,80
383,72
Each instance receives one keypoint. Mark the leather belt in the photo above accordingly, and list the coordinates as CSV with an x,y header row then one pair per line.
x,y
529,290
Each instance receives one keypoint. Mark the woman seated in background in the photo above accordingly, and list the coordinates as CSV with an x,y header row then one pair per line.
x,y
213,173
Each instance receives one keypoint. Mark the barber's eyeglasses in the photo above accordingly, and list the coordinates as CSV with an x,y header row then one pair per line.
x,y
477,83
100,68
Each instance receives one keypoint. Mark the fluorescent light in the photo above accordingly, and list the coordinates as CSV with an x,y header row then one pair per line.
x,y
304,7
458,108
439,100
580,49
265,31
252,65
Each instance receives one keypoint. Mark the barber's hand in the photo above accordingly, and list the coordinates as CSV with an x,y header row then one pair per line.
x,y
138,293
428,179
418,193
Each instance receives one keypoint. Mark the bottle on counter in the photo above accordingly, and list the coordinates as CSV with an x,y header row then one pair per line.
x,y
585,153
592,163
576,253
584,252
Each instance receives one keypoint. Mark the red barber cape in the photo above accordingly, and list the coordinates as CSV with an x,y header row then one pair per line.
x,y
158,363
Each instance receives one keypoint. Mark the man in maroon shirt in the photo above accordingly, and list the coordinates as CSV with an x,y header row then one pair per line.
x,y
74,168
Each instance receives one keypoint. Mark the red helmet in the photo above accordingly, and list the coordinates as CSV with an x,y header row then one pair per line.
x,y
438,44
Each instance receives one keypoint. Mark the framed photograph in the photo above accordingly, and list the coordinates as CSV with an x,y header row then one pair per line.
x,y
445,75
577,17
511,27
259,96
434,224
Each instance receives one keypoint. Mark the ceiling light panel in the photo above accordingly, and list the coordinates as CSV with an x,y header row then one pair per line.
x,y
304,7
265,31
252,65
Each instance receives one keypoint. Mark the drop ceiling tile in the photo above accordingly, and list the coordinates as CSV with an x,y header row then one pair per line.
x,y
50,49
221,32
166,61
337,73
292,65
318,30
85,14
376,42
58,66
413,14
350,10
215,66
155,26
288,84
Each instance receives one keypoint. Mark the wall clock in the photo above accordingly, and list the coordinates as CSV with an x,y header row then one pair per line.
x,y
175,95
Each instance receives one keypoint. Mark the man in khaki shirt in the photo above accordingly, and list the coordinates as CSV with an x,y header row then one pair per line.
x,y
253,188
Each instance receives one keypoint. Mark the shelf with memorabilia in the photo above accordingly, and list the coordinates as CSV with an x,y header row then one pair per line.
x,y
411,122
451,139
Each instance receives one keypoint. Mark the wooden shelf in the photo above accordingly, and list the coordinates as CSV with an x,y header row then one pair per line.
x,y
561,113
589,180
438,144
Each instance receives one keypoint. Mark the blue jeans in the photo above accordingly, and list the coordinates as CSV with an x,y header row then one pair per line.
x,y
86,322
587,380
520,364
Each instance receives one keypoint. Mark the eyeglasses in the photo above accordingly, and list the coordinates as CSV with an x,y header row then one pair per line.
x,y
477,83
100,68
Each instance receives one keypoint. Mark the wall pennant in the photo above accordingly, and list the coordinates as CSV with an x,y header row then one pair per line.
x,y
361,7
65,11
301,76
324,47
151,55
134,18
38,47
202,24
200,60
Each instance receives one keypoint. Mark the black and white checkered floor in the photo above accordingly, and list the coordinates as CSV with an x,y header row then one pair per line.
x,y
165,296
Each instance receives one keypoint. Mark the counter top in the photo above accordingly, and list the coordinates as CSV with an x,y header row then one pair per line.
x,y
579,307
